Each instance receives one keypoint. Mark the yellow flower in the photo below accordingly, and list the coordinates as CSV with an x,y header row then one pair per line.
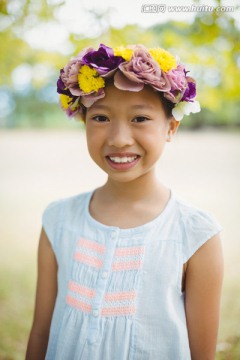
x,y
165,60
124,52
89,79
65,101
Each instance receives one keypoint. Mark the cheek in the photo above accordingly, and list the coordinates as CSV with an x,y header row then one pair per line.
x,y
154,142
156,135
95,142
92,144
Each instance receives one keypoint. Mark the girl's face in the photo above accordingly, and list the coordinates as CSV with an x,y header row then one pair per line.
x,y
127,131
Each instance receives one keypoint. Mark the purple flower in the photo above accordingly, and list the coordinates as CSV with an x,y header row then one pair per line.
x,y
103,60
61,88
141,69
190,91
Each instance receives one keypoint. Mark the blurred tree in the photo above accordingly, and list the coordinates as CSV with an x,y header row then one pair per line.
x,y
16,18
210,45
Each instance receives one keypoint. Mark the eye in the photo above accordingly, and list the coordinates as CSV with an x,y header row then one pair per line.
x,y
100,118
139,119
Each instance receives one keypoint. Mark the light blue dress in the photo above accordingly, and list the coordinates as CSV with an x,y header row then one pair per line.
x,y
119,290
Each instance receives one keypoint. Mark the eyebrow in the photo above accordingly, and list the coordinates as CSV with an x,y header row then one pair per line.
x,y
142,106
99,106
136,106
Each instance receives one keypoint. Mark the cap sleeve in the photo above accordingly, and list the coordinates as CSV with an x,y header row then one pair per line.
x,y
52,220
199,226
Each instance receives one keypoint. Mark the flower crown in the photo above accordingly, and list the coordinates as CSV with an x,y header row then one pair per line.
x,y
82,80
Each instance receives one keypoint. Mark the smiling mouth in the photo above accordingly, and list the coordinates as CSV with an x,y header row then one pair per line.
x,y
122,162
123,159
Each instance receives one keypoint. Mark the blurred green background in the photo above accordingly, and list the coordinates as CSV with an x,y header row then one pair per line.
x,y
37,38
43,155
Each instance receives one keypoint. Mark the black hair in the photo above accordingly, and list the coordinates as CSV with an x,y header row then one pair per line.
x,y
167,105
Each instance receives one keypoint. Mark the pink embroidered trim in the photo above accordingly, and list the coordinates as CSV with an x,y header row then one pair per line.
x,y
78,304
119,296
118,311
127,251
92,245
82,290
132,265
89,260
114,302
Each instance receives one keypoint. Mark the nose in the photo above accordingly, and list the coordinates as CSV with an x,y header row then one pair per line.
x,y
120,135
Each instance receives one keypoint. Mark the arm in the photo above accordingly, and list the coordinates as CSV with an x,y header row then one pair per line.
x,y
203,289
45,300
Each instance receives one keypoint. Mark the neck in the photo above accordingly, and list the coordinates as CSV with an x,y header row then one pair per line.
x,y
144,187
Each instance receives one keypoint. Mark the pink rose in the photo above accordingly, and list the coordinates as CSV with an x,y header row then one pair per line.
x,y
90,99
178,82
140,70
177,78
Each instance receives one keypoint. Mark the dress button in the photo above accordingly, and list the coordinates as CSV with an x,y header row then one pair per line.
x,y
113,234
95,312
104,274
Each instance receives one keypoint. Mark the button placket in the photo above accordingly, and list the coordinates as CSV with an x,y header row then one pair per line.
x,y
95,312
113,234
104,274
101,286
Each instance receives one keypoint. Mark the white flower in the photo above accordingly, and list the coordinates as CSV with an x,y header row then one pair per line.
x,y
185,108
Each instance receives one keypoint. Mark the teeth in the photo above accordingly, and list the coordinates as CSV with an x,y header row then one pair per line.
x,y
125,159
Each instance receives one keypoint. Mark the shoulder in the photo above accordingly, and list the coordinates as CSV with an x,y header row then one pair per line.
x,y
192,216
196,227
55,208
59,212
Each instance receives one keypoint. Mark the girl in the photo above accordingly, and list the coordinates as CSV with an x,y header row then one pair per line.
x,y
127,271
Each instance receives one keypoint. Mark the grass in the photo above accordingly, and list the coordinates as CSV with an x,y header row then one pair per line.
x,y
229,345
16,303
231,351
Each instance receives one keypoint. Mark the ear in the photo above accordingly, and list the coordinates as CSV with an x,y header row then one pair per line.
x,y
173,125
